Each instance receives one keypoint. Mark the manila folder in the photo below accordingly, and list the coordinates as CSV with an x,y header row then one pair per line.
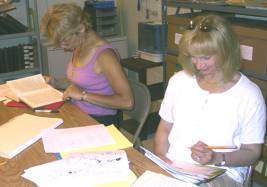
x,y
22,131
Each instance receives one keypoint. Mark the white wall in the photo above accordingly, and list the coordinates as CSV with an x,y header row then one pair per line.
x,y
150,10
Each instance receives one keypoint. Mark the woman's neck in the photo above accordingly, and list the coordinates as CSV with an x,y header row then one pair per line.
x,y
216,83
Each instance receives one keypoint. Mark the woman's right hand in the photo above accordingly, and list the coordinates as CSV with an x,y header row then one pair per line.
x,y
49,79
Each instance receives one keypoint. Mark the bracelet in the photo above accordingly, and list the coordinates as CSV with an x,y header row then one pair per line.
x,y
83,95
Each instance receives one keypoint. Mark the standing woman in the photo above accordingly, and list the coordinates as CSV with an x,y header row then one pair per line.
x,y
98,84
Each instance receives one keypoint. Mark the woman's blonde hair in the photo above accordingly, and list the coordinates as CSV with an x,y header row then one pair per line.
x,y
207,36
63,20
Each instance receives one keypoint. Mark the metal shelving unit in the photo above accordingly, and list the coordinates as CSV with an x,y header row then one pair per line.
x,y
30,36
237,10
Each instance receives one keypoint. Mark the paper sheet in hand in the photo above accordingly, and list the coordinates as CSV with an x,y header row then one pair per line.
x,y
59,140
22,131
193,173
152,179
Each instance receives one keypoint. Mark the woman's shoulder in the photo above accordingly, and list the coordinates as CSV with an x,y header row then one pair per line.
x,y
248,87
181,75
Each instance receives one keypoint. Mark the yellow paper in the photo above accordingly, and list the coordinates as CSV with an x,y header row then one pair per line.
x,y
128,183
121,143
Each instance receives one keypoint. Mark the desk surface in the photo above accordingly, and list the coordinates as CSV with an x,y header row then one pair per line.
x,y
11,170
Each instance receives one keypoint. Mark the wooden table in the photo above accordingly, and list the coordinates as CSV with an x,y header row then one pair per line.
x,y
12,169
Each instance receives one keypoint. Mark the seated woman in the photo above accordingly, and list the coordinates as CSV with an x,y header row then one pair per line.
x,y
98,84
211,103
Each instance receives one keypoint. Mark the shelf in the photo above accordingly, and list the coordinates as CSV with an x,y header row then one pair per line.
x,y
219,8
18,74
17,35
21,49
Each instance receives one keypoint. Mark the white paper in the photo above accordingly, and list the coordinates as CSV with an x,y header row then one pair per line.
x,y
177,39
61,140
246,52
83,170
152,179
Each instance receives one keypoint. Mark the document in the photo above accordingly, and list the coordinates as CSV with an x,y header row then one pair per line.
x,y
152,179
22,131
83,170
121,142
187,172
59,140
33,91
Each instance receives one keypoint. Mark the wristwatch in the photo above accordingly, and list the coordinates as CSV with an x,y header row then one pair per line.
x,y
223,162
83,96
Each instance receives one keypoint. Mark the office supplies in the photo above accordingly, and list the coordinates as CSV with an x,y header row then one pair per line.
x,y
83,170
222,147
46,110
33,91
187,172
22,131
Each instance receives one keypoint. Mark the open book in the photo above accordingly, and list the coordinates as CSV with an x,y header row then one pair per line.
x,y
187,172
33,91
22,131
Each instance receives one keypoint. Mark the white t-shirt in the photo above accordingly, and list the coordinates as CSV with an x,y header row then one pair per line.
x,y
234,117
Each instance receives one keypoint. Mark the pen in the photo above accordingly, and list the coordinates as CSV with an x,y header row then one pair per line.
x,y
46,110
222,147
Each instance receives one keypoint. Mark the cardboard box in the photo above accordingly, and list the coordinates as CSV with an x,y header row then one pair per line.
x,y
172,66
252,35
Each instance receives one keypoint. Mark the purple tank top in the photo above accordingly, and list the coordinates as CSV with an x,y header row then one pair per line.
x,y
91,82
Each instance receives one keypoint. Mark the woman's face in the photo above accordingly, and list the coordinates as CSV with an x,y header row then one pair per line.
x,y
70,42
205,65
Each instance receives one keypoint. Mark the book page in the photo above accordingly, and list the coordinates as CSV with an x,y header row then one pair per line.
x,y
33,91
42,97
27,84
21,131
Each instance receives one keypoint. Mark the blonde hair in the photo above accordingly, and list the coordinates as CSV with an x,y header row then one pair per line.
x,y
62,20
210,35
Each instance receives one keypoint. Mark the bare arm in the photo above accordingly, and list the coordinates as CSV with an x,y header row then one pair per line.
x,y
161,143
246,155
109,65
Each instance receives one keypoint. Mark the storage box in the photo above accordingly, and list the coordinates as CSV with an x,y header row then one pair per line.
x,y
172,66
252,35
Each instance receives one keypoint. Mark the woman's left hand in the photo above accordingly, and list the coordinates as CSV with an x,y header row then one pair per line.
x,y
201,153
72,92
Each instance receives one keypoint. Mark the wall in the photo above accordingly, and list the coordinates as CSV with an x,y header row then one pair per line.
x,y
150,10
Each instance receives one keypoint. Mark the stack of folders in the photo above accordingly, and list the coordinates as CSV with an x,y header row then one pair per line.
x,y
187,172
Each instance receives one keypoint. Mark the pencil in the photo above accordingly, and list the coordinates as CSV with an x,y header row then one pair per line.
x,y
222,147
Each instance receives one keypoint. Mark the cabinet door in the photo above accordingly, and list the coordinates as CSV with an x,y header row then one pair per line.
x,y
56,62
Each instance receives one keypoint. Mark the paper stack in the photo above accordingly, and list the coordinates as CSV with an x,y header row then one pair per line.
x,y
84,170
